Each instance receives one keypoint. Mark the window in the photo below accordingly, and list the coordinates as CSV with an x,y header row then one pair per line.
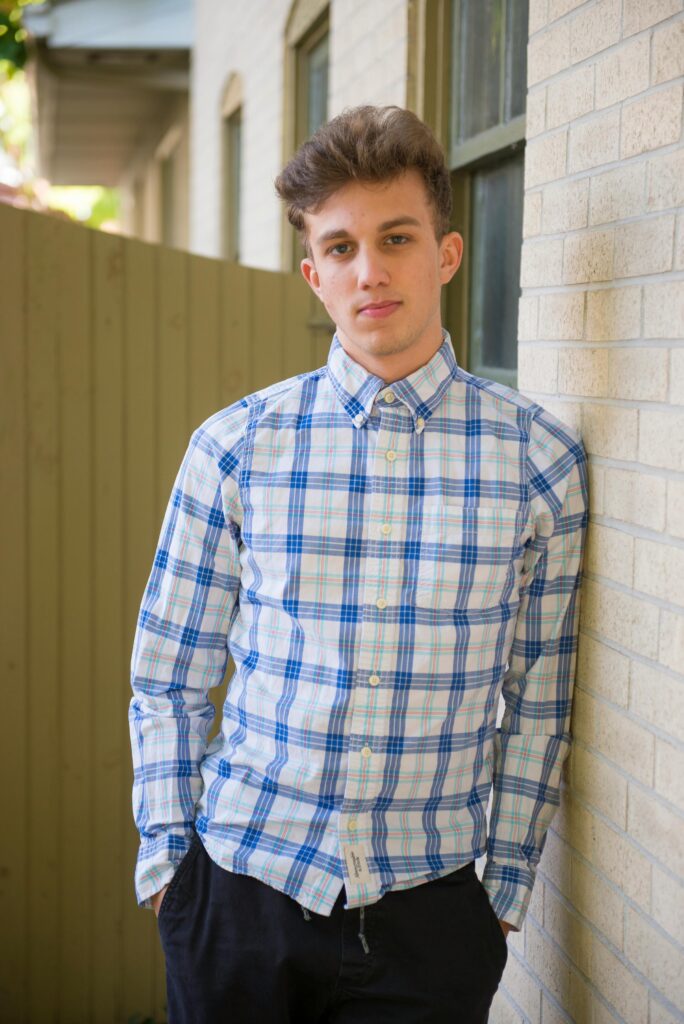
x,y
232,143
486,132
312,80
232,167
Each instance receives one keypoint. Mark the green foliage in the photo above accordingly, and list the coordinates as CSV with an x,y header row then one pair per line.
x,y
13,35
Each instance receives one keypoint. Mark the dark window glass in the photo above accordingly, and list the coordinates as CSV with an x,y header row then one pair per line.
x,y
489,65
495,240
317,85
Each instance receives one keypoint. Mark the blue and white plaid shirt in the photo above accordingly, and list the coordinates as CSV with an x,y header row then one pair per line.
x,y
382,562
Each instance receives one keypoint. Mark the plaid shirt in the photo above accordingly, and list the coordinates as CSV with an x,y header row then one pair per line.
x,y
382,562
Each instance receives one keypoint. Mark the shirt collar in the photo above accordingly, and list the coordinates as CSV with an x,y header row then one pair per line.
x,y
422,391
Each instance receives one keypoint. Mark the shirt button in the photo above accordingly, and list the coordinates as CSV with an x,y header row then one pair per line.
x,y
351,824
420,423
386,528
358,419
366,752
374,680
389,396
390,455
381,602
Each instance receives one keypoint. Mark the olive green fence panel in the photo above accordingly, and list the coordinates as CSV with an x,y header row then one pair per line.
x,y
112,352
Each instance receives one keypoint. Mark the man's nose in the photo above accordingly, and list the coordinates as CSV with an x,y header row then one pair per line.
x,y
371,268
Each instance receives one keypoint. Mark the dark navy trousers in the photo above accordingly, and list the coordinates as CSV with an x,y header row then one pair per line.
x,y
240,952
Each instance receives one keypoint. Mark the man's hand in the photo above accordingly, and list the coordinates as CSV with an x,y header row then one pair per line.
x,y
506,927
158,899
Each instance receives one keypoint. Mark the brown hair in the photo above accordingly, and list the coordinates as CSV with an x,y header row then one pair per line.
x,y
367,144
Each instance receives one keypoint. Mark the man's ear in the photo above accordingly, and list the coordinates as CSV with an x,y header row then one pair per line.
x,y
310,275
450,255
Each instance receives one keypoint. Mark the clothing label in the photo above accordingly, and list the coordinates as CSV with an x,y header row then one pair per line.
x,y
357,866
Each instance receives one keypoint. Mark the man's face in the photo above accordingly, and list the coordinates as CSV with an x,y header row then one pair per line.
x,y
378,269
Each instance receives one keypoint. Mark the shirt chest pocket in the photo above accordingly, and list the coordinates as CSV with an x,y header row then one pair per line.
x,y
467,556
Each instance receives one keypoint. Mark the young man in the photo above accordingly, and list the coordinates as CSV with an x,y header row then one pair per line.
x,y
384,546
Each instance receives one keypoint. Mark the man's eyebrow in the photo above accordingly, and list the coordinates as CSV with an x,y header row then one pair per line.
x,y
387,225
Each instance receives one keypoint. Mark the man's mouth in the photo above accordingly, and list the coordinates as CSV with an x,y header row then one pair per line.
x,y
378,310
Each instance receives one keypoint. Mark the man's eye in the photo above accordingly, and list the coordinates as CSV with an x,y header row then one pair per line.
x,y
335,249
397,239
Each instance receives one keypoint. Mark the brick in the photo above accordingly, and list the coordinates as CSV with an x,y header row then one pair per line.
x,y
617,737
557,8
660,1015
538,15
633,497
597,477
535,112
545,158
610,553
565,206
671,641
677,376
613,314
654,826
668,52
526,996
675,507
668,893
594,141
607,849
503,1012
595,780
541,263
621,618
548,53
561,316
655,120
603,670
623,72
610,431
661,438
595,28
679,244
641,14
618,985
567,928
556,862
644,247
532,209
598,903
548,965
638,374
537,368
653,955
583,371
665,181
569,413
589,257
659,570
528,306
570,97
656,697
669,772
617,194
664,310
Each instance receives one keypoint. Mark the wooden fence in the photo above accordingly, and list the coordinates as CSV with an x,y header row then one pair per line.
x,y
112,351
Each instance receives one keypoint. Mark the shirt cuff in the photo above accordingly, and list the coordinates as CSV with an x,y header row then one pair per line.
x,y
157,862
509,887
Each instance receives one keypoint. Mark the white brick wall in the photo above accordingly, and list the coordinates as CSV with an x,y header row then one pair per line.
x,y
249,39
600,343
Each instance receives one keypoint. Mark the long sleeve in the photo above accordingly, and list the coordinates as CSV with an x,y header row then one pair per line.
x,y
180,653
534,737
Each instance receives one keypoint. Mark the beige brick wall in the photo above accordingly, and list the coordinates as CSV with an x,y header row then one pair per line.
x,y
368,64
600,344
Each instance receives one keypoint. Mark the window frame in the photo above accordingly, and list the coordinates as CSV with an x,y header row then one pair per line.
x,y
429,95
